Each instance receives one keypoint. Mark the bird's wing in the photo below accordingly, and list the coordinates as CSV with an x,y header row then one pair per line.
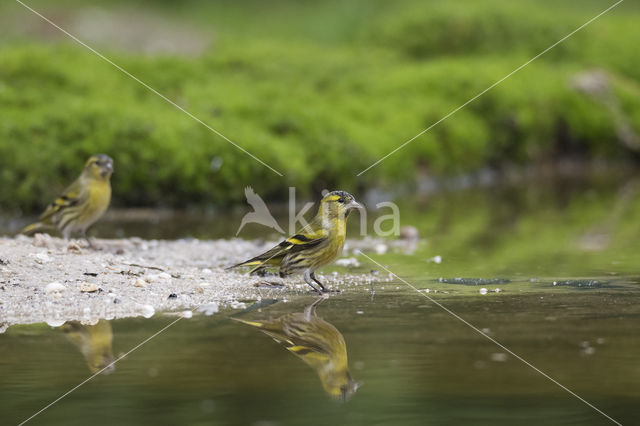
x,y
296,335
306,239
272,328
72,196
295,244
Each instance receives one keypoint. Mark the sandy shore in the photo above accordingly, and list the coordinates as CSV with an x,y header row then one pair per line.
x,y
47,279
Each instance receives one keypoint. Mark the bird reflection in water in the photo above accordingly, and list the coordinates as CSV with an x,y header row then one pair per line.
x,y
94,342
316,342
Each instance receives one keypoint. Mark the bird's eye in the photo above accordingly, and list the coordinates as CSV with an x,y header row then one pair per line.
x,y
341,200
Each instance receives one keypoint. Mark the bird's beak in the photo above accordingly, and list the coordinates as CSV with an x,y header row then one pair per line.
x,y
354,205
108,168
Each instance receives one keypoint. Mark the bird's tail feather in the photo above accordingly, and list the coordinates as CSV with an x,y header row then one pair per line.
x,y
251,262
252,323
33,228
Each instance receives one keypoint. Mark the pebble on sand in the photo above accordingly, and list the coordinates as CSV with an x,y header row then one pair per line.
x,y
89,288
54,287
146,311
349,262
139,282
209,309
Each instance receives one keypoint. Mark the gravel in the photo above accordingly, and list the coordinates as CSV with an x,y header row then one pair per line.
x,y
48,279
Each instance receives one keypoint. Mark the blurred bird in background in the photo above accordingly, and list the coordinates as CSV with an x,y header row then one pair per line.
x,y
316,342
260,213
82,203
318,244
94,342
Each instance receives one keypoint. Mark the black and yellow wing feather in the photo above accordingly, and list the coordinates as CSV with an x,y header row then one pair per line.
x,y
298,243
63,208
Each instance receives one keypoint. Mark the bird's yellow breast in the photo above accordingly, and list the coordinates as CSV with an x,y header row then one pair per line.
x,y
99,198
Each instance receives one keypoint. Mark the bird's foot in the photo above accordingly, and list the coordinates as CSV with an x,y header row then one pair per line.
x,y
93,246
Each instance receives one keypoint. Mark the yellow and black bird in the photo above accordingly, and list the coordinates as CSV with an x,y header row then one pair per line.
x,y
318,244
82,203
316,342
94,342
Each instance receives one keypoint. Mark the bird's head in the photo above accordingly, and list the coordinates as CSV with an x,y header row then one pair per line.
x,y
349,388
99,166
340,385
338,204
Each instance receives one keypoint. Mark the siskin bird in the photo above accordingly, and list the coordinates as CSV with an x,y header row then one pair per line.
x,y
94,342
318,244
82,203
316,342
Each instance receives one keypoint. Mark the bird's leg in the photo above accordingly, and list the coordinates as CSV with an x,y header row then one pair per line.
x,y
307,278
324,290
310,311
84,235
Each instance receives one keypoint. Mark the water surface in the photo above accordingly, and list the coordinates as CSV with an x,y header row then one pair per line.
x,y
415,363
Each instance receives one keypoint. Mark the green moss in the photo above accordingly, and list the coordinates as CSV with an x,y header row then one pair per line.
x,y
318,109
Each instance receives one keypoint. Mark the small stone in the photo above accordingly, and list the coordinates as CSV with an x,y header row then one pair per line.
x,y
139,282
41,257
146,311
4,261
435,259
209,309
74,247
88,288
173,296
237,305
381,248
54,287
55,322
589,350
499,357
186,314
349,262
483,290
409,233
162,276
43,240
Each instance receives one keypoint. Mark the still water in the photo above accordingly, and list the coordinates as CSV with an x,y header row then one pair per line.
x,y
408,362
560,270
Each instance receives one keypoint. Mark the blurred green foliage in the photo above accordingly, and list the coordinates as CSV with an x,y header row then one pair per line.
x,y
360,80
